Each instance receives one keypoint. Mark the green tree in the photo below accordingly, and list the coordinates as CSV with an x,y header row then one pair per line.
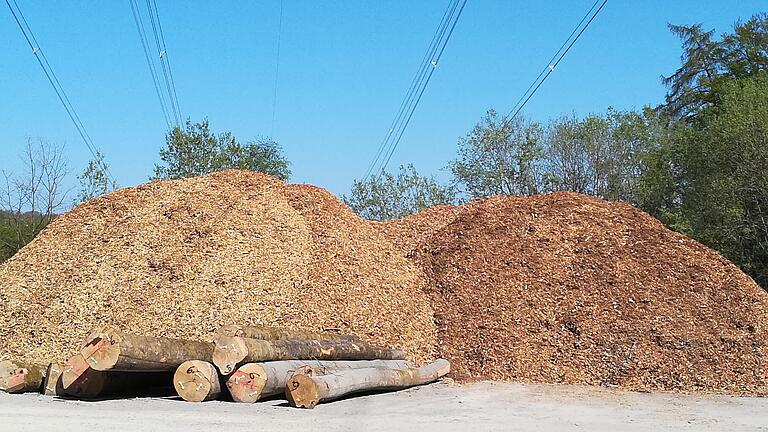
x,y
195,151
719,173
707,64
500,156
389,196
602,155
94,180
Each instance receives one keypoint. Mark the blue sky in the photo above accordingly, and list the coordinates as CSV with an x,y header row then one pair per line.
x,y
344,67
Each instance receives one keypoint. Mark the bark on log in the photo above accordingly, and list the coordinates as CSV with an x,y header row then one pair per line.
x,y
52,385
254,381
20,377
306,391
233,352
117,351
197,381
278,333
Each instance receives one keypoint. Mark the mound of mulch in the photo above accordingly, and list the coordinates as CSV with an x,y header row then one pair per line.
x,y
180,258
564,288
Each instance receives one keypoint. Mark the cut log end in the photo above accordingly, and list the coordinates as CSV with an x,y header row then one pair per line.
x,y
20,377
53,386
302,392
246,383
75,367
228,353
102,349
197,381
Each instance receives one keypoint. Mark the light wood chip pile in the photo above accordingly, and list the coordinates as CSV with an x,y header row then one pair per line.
x,y
181,258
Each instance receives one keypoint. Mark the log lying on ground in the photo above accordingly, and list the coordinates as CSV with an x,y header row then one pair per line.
x,y
117,351
307,391
197,381
52,385
233,352
278,333
20,377
253,381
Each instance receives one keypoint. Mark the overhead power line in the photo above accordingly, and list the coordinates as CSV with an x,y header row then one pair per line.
x,y
42,60
417,79
150,64
164,64
418,85
164,56
162,74
556,59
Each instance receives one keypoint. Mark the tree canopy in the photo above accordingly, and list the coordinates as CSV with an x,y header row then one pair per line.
x,y
389,196
195,151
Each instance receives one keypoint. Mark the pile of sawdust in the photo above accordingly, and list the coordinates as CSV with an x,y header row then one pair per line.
x,y
563,288
180,258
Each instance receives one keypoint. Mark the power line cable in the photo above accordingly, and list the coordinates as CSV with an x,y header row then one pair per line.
x,y
150,64
167,59
415,83
161,54
428,63
29,36
277,68
435,62
554,56
551,67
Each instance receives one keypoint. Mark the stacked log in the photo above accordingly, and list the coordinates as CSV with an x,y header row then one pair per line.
x,y
254,381
21,377
247,363
232,352
197,381
306,391
279,333
112,350
52,385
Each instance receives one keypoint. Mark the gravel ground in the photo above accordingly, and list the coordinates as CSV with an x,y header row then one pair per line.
x,y
484,406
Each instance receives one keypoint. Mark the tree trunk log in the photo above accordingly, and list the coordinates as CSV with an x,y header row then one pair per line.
x,y
117,351
52,385
20,377
277,333
254,381
197,381
306,391
232,352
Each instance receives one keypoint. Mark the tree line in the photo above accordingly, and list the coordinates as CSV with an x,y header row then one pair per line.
x,y
697,162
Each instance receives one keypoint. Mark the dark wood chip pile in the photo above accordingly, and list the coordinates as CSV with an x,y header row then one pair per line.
x,y
564,288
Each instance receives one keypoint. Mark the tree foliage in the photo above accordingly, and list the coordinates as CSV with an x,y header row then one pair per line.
x,y
709,178
717,179
602,154
389,196
95,180
500,157
195,151
707,64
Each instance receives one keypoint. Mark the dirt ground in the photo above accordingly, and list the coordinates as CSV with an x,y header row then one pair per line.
x,y
484,406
